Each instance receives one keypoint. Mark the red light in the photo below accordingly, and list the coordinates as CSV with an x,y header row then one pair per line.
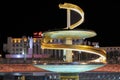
x,y
40,33
37,34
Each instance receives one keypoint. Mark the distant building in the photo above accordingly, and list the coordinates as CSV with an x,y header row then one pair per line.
x,y
113,54
20,48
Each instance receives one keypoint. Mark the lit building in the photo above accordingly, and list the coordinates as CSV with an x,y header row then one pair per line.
x,y
19,48
113,54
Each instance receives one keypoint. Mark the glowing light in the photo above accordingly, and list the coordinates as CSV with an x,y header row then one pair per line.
x,y
37,34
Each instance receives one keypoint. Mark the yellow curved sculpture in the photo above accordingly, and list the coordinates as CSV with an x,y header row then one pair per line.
x,y
84,48
75,8
68,34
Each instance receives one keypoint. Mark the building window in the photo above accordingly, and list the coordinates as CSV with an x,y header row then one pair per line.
x,y
13,45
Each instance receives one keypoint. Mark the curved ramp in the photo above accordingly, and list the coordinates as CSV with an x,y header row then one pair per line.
x,y
83,48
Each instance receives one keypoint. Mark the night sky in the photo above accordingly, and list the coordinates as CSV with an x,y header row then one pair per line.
x,y
24,18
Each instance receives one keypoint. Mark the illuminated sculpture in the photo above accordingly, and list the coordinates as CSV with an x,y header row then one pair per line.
x,y
68,34
76,34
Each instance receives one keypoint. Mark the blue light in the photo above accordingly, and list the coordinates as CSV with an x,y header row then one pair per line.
x,y
69,68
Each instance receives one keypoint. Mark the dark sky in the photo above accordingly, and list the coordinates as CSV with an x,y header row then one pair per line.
x,y
24,18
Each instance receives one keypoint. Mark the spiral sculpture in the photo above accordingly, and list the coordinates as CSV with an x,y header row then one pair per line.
x,y
69,33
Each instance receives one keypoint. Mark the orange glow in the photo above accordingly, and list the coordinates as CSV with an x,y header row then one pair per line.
x,y
16,40
25,39
34,40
